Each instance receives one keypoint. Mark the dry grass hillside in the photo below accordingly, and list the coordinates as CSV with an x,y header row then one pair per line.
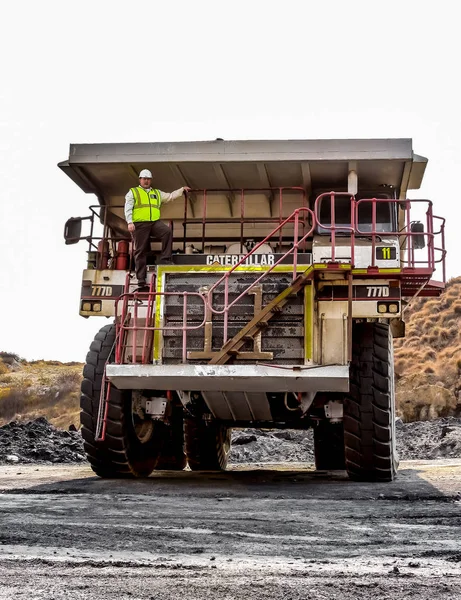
x,y
40,388
427,367
428,359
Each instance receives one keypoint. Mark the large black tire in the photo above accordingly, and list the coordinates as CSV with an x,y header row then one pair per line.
x,y
130,449
369,408
207,444
329,446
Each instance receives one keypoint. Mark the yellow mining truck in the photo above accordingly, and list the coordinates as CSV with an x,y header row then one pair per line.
x,y
293,264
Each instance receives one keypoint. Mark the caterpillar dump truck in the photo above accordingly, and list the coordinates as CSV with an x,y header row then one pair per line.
x,y
293,264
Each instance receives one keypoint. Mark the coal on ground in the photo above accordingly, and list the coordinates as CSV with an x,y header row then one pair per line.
x,y
421,440
39,442
275,445
428,440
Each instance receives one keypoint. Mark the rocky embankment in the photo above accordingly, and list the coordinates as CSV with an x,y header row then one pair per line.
x,y
40,442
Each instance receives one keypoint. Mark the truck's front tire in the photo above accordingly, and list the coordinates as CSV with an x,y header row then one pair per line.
x,y
369,408
132,446
207,444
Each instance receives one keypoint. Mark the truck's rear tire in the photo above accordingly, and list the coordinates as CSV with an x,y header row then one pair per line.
x,y
329,446
132,445
207,444
369,408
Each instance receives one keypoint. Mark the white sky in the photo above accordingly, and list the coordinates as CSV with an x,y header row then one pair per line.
x,y
140,71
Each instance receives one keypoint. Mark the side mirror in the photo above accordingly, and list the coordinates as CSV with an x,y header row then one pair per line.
x,y
419,241
73,230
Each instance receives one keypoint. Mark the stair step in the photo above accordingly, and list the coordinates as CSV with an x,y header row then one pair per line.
x,y
276,309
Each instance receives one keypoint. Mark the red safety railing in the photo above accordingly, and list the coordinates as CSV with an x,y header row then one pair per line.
x,y
441,248
332,227
101,244
103,250
406,235
129,320
294,219
242,219
130,323
375,231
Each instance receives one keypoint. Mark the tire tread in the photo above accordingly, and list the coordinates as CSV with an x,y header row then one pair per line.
x,y
369,437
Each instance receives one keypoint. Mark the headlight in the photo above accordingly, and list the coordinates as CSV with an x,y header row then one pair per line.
x,y
388,307
92,306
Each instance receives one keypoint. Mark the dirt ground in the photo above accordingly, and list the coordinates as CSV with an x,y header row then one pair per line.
x,y
256,531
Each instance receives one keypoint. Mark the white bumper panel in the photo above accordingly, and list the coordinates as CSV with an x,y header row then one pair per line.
x,y
229,378
321,251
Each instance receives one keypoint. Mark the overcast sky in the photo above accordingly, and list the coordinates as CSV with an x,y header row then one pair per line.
x,y
142,71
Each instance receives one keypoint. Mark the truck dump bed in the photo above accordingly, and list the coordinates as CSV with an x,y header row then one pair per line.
x,y
109,170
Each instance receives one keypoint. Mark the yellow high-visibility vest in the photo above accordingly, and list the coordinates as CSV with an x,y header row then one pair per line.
x,y
146,204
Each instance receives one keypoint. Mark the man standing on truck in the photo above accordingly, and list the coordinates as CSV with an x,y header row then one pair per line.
x,y
142,213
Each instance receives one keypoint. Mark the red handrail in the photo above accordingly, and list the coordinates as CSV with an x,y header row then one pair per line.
x,y
332,227
406,232
293,218
130,300
151,296
242,192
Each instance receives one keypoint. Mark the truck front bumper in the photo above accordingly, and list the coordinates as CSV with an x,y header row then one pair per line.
x,y
230,378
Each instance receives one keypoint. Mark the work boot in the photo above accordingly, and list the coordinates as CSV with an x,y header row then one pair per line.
x,y
142,287
165,261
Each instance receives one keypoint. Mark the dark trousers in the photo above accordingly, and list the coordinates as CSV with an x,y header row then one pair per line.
x,y
143,233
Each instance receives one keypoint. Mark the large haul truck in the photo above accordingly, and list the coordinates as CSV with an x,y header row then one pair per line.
x,y
293,264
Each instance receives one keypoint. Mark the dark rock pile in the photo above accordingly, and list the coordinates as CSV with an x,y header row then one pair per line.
x,y
259,445
421,440
428,440
37,442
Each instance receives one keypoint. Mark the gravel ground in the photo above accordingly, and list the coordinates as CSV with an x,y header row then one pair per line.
x,y
255,531
39,442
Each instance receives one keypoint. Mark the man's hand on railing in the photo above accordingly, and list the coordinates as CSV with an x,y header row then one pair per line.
x,y
131,227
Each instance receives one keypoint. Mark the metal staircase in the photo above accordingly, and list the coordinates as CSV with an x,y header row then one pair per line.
x,y
260,320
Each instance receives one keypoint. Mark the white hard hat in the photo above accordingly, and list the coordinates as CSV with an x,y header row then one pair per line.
x,y
145,173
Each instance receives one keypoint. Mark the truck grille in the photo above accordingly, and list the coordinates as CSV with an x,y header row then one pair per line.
x,y
284,335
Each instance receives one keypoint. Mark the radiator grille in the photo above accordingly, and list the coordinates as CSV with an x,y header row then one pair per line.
x,y
284,336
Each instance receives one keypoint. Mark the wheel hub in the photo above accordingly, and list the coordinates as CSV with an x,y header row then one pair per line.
x,y
142,424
